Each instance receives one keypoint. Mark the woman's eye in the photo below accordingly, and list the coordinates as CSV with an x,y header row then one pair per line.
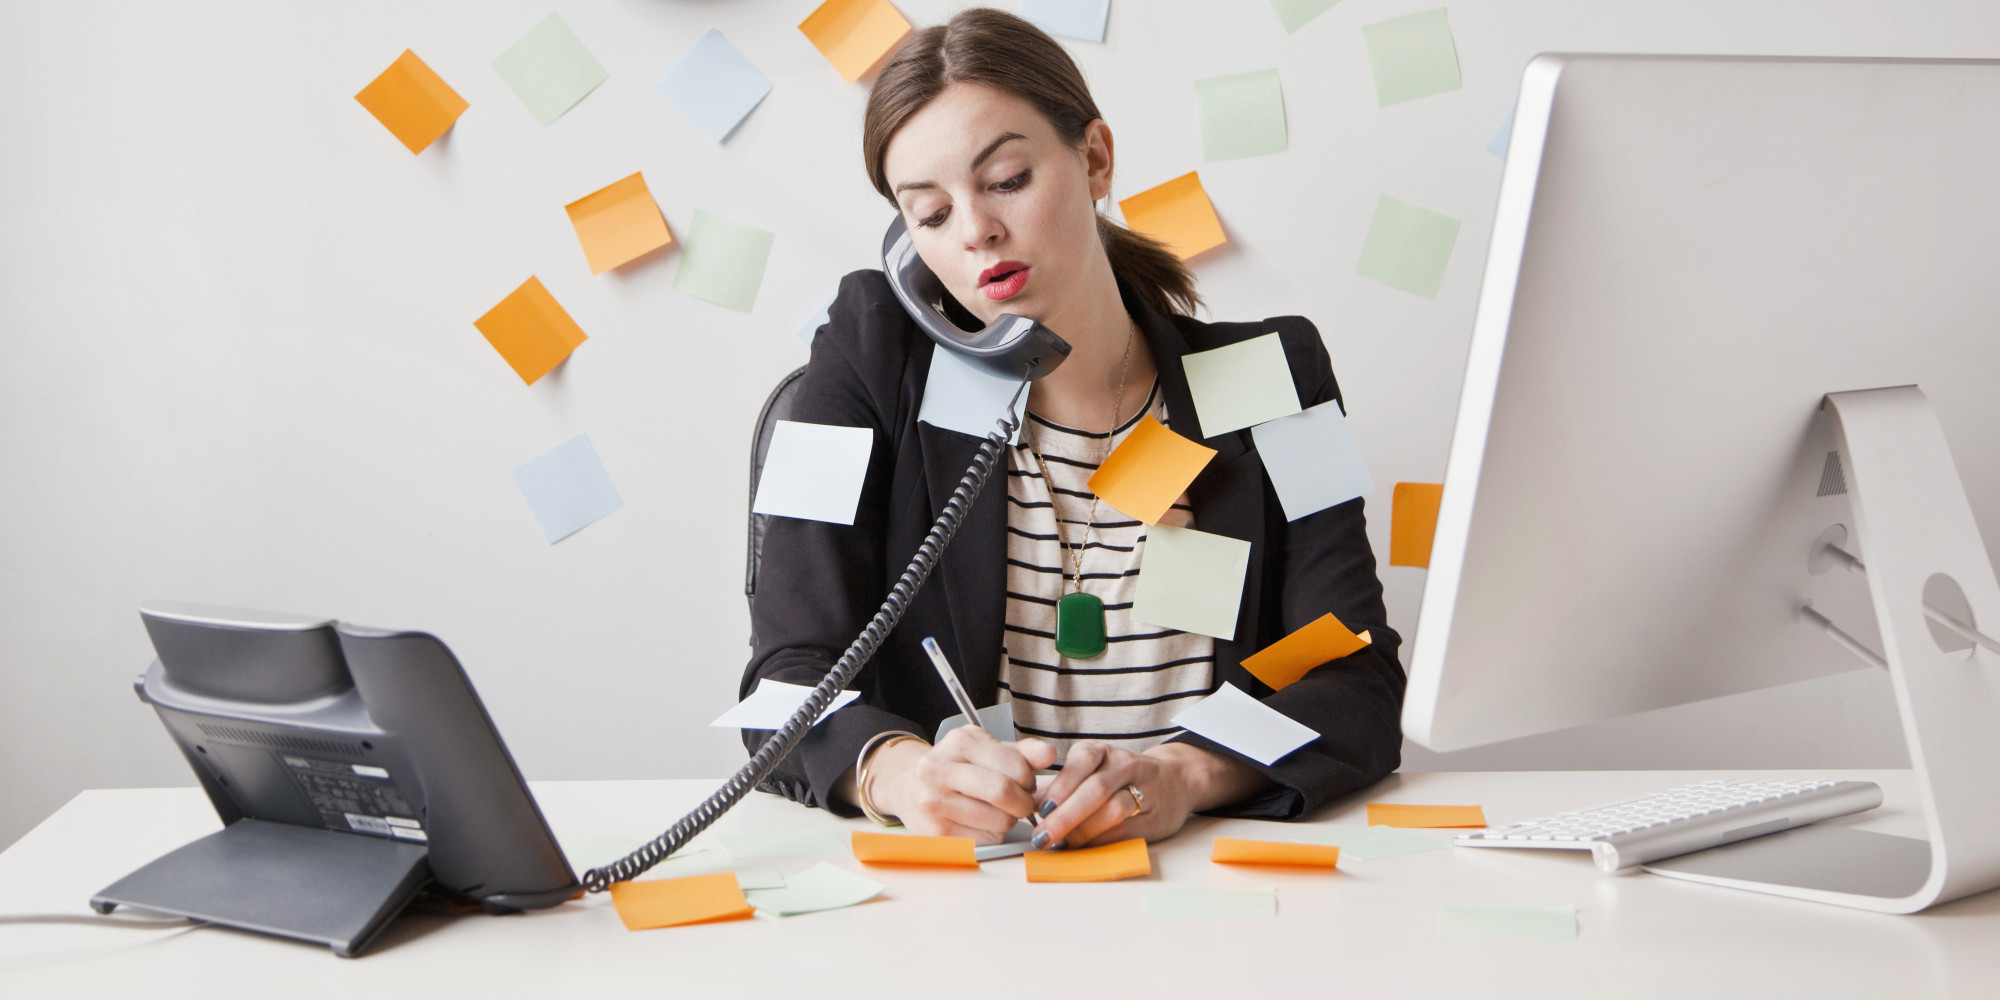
x,y
935,219
1014,183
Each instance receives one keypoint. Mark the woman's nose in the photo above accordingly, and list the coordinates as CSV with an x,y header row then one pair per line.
x,y
981,229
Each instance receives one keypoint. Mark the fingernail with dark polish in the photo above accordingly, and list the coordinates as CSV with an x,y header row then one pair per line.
x,y
1040,840
1048,806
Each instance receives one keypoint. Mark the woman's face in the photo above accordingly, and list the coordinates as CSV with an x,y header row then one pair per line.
x,y
999,207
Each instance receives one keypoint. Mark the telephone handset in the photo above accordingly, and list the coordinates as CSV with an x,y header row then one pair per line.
x,y
1012,347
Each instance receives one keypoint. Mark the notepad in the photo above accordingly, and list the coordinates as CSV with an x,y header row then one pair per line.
x,y
618,223
1242,114
1149,470
854,35
530,330
549,69
1425,817
412,102
1282,663
1313,460
723,260
675,902
1082,19
767,845
814,471
961,396
1490,923
1178,214
1191,580
1413,524
715,86
998,720
773,704
1245,725
1371,843
1293,14
821,887
1109,863
1411,56
1241,385
1238,851
566,488
909,849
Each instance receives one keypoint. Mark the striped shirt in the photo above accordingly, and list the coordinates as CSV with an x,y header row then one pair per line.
x,y
1147,675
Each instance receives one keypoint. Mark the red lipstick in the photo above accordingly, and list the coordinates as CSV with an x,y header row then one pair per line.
x,y
1003,280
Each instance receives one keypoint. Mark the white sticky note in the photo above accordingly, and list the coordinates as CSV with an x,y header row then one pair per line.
x,y
1172,902
1313,460
1245,725
960,396
773,703
566,488
1191,580
715,86
1493,923
1370,843
1069,18
998,720
821,887
1502,134
814,471
809,330
1241,385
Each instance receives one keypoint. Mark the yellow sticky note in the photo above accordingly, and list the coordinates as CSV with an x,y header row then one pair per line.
x,y
1285,661
901,849
1236,851
1413,523
618,224
1091,864
1446,817
673,902
1149,470
530,330
413,103
1177,213
854,35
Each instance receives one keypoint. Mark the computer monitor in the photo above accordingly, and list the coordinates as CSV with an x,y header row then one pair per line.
x,y
1689,255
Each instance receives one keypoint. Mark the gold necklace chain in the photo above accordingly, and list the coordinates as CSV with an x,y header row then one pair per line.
x,y
1089,519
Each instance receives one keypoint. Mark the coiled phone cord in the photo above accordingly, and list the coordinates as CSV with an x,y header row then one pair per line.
x,y
780,745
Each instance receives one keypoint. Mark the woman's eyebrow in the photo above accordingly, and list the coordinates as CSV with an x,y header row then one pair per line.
x,y
1004,137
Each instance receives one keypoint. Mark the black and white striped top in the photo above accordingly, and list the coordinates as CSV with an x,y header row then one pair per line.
x,y
1147,675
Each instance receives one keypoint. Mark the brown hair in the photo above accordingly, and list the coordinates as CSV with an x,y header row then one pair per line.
x,y
1002,51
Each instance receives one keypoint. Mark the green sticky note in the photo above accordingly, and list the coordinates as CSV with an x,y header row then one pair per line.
x,y
1294,13
1191,580
1176,903
749,846
1413,56
1488,923
549,69
1407,247
597,852
1241,115
1370,843
821,887
722,260
1241,385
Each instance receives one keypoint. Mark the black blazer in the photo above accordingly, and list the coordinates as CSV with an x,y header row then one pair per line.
x,y
819,583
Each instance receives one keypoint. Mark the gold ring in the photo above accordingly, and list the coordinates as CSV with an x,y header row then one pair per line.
x,y
1138,800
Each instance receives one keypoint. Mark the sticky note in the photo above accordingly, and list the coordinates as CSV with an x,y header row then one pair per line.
x,y
673,902
1238,851
1082,19
1313,460
1241,385
1371,843
814,471
1178,214
908,849
961,396
772,705
413,103
1323,639
618,223
1172,902
566,488
1149,470
821,887
766,845
1503,133
809,330
1425,817
1242,114
722,260
595,852
1293,14
854,35
1108,863
1546,923
714,85
1413,523
998,720
530,330
1191,580
549,69
1412,56
1408,247
1245,725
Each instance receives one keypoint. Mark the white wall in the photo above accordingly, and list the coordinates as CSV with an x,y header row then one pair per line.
x,y
239,362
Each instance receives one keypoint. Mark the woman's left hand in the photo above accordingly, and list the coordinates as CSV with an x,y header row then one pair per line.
x,y
1091,803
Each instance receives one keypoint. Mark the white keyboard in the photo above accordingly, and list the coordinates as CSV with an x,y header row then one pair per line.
x,y
1681,820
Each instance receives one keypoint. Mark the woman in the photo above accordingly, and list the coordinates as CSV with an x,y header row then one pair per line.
x,y
984,136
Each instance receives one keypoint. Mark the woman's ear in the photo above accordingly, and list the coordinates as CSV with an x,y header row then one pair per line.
x,y
1098,158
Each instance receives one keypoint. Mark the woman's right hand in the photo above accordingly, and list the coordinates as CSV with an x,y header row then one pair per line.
x,y
968,785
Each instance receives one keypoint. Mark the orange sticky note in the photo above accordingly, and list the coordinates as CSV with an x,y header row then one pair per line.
x,y
854,35
618,224
1091,864
1149,470
1177,213
1285,661
1237,851
1446,817
412,102
901,849
672,902
1413,523
530,330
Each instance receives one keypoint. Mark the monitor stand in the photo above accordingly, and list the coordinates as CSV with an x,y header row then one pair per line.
x,y
1932,585
324,886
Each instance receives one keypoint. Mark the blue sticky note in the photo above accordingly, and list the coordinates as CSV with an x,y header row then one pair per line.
x,y
566,488
1070,18
809,330
1504,134
959,396
714,85
1313,460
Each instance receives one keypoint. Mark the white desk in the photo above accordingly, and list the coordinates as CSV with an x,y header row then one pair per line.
x,y
1368,930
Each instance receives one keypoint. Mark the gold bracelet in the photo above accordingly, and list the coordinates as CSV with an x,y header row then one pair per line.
x,y
864,776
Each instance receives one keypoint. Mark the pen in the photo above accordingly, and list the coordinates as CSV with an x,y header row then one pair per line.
x,y
951,683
